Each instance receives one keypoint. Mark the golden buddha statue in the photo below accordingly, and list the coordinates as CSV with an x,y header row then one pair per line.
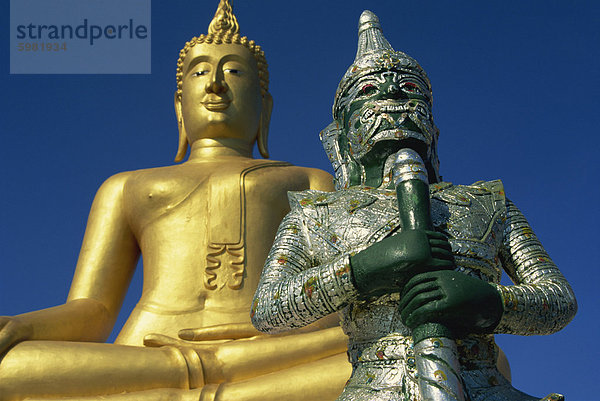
x,y
204,228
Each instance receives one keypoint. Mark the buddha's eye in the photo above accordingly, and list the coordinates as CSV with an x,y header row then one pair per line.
x,y
233,71
368,89
200,73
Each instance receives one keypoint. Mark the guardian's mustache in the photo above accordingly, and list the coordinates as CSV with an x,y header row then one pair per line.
x,y
384,120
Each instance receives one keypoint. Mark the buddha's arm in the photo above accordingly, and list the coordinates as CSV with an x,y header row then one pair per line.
x,y
105,266
320,180
292,291
541,301
109,252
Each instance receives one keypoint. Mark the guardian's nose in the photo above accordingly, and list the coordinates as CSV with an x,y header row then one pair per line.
x,y
390,88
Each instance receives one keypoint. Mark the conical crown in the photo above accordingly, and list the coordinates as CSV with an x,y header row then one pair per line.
x,y
374,53
370,36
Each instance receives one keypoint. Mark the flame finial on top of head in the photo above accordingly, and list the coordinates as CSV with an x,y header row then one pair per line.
x,y
224,22
224,29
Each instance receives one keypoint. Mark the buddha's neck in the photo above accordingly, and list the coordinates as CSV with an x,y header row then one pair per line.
x,y
207,149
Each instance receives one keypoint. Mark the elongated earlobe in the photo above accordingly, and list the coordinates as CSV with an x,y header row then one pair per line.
x,y
183,142
263,128
182,146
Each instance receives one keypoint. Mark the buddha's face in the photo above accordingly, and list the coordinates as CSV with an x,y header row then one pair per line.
x,y
384,111
221,95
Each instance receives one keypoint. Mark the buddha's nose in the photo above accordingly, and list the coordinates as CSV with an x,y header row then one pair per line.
x,y
216,86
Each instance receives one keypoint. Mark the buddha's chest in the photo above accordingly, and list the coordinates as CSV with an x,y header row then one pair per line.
x,y
180,199
218,224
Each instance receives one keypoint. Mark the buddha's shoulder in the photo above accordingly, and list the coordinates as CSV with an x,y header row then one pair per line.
x,y
113,186
127,178
290,168
162,182
182,178
290,176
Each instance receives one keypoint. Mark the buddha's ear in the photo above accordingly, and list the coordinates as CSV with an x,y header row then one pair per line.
x,y
183,141
263,128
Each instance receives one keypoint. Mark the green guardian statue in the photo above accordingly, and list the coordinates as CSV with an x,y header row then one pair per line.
x,y
412,263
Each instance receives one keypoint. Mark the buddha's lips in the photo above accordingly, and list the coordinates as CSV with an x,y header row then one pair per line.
x,y
216,106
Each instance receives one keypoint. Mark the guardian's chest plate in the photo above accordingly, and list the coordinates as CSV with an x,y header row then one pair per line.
x,y
348,221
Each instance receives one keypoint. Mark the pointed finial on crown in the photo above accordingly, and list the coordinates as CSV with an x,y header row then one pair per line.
x,y
374,53
224,22
224,28
370,36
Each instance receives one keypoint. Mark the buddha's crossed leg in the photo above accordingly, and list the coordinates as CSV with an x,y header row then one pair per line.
x,y
295,367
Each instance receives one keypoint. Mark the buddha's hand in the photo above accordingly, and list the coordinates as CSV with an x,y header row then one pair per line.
x,y
230,331
387,265
459,302
12,331
219,347
195,337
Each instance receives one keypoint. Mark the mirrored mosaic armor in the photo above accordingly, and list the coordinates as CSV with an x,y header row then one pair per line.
x,y
383,106
307,276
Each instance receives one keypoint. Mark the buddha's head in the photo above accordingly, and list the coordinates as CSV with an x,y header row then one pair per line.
x,y
222,87
382,104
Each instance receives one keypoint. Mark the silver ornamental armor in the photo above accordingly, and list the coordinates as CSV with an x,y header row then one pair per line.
x,y
308,275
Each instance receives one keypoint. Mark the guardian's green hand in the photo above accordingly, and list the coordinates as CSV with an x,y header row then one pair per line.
x,y
387,265
462,303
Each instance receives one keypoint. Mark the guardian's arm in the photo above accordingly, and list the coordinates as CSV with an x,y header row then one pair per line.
x,y
541,301
294,290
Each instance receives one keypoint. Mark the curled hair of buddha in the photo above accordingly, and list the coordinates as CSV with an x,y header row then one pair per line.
x,y
224,29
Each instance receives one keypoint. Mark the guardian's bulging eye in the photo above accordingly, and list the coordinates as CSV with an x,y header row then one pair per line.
x,y
368,89
410,87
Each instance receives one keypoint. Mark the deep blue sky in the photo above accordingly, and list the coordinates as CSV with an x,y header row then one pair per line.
x,y
516,88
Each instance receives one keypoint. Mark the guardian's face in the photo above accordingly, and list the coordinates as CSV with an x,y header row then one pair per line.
x,y
221,95
387,106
